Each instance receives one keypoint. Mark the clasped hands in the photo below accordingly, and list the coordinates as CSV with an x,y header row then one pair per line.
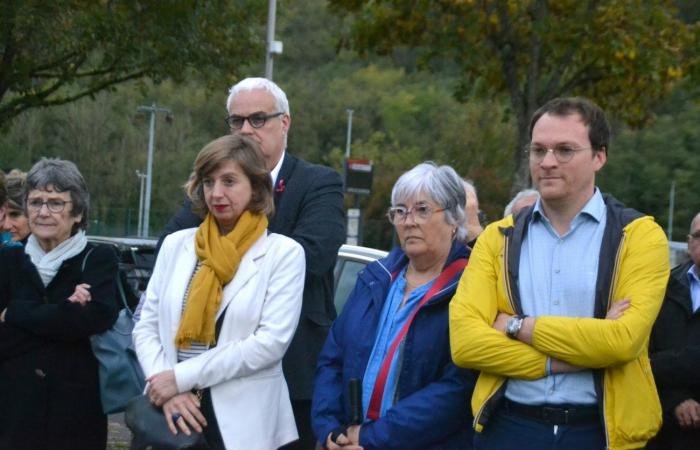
x,y
80,295
181,410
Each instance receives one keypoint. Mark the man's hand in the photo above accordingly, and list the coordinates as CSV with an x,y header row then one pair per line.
x,y
688,414
501,321
162,387
526,329
618,309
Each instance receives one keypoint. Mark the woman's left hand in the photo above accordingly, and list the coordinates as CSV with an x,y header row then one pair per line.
x,y
81,294
162,387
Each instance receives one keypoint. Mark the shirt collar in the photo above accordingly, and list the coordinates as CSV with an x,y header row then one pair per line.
x,y
594,208
276,171
693,274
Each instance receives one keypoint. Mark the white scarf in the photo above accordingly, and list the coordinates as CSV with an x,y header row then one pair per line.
x,y
48,263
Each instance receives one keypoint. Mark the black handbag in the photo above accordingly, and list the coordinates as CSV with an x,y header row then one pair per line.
x,y
149,427
120,374
150,430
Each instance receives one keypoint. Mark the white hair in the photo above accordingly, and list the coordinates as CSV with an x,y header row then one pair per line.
x,y
519,196
256,83
444,187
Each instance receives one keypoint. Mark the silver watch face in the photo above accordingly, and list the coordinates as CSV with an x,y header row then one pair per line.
x,y
513,326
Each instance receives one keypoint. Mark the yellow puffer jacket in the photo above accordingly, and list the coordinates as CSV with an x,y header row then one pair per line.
x,y
638,258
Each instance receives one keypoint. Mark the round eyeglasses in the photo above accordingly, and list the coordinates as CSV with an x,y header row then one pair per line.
x,y
54,205
256,120
421,213
563,153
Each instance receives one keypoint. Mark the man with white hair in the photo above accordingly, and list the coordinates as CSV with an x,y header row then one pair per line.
x,y
523,199
309,209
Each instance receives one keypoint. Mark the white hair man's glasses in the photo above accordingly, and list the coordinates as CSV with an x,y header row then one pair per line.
x,y
421,213
256,120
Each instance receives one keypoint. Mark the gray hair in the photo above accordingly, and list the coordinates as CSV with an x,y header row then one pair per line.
x,y
441,184
15,182
519,196
252,84
61,176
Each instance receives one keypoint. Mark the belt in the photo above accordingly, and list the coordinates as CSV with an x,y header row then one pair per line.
x,y
556,415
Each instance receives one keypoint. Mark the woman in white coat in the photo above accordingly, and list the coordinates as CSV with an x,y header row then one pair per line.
x,y
229,270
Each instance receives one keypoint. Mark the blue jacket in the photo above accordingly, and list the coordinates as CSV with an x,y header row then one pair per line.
x,y
432,409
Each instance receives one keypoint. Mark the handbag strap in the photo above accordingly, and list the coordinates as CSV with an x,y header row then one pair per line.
x,y
375,402
122,294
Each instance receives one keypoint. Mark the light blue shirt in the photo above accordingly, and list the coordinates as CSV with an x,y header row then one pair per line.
x,y
392,319
558,276
694,283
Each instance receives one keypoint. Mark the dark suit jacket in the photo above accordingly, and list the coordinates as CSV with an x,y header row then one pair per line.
x,y
48,374
308,209
674,352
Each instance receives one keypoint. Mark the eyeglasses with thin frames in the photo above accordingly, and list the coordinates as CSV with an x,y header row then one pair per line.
x,y
563,153
421,213
54,205
256,120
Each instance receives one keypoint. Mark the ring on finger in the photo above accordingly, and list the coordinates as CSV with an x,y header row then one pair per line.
x,y
176,416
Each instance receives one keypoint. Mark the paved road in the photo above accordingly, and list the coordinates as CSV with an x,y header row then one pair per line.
x,y
118,435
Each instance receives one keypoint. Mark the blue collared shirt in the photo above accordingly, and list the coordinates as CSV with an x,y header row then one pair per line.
x,y
694,283
558,276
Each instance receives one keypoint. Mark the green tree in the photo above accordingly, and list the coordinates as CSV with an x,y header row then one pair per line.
x,y
52,53
625,54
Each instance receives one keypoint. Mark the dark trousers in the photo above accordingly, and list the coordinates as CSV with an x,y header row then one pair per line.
x,y
510,431
302,416
211,432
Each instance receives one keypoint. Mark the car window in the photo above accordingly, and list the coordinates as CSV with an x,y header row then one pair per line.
x,y
346,281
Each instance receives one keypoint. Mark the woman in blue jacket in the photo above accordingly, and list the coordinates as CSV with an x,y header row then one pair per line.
x,y
392,337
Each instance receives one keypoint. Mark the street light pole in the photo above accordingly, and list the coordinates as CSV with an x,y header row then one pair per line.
x,y
272,46
349,137
153,110
142,178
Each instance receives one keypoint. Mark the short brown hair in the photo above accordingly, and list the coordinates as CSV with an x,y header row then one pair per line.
x,y
15,189
247,154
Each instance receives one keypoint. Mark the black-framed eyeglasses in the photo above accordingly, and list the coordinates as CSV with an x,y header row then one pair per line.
x,y
421,213
563,153
55,205
256,120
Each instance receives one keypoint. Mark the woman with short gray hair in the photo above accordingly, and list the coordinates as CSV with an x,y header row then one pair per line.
x,y
412,396
60,291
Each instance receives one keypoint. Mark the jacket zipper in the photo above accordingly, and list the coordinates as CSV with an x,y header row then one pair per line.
x,y
613,284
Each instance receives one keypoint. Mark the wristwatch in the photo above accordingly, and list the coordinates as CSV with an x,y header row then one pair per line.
x,y
513,326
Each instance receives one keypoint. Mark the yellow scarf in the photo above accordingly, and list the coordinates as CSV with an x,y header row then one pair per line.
x,y
220,257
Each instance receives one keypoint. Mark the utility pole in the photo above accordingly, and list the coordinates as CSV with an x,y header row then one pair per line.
x,y
273,47
349,137
153,110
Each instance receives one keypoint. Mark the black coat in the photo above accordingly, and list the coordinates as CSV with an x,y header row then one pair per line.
x,y
49,388
309,209
674,350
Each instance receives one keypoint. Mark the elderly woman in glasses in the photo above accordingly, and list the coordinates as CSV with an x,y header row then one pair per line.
x,y
392,339
55,292
222,306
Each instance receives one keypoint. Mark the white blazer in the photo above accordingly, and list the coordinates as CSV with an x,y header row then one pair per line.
x,y
244,370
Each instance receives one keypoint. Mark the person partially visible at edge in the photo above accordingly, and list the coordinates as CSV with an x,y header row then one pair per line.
x,y
309,209
3,200
16,224
674,351
420,401
231,270
60,291
557,304
471,209
523,199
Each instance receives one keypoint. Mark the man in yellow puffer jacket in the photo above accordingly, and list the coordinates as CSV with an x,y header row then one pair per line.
x,y
557,304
